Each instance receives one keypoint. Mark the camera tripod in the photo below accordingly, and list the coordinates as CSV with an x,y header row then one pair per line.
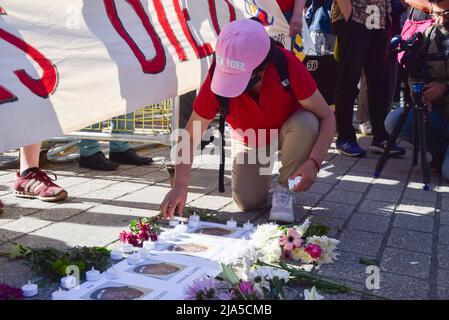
x,y
419,131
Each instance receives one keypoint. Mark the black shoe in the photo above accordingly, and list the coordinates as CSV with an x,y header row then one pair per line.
x,y
379,147
130,157
98,161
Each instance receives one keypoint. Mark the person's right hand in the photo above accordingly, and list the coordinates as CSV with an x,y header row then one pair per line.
x,y
174,201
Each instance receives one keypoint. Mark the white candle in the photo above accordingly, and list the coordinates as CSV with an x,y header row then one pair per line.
x,y
112,273
173,222
116,255
248,226
231,223
30,289
194,217
93,275
59,295
133,258
127,248
68,282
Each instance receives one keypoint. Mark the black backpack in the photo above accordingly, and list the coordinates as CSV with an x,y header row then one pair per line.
x,y
280,62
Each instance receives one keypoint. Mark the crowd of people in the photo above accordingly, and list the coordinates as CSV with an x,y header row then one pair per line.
x,y
259,85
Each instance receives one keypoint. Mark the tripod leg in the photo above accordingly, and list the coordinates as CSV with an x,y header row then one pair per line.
x,y
416,145
392,140
423,146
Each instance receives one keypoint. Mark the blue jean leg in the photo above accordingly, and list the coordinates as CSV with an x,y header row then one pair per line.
x,y
445,166
89,147
407,129
124,122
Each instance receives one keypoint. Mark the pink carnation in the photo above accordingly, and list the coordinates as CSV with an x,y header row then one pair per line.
x,y
313,250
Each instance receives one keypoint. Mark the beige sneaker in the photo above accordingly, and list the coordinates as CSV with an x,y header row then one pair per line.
x,y
365,128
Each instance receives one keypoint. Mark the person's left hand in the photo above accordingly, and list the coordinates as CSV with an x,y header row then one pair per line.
x,y
295,25
433,91
308,173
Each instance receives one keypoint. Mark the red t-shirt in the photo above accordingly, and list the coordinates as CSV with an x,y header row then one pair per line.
x,y
286,5
276,104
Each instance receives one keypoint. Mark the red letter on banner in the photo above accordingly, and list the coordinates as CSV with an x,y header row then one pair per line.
x,y
183,16
6,96
155,65
42,87
213,14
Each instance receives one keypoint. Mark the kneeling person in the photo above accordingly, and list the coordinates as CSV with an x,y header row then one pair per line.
x,y
246,75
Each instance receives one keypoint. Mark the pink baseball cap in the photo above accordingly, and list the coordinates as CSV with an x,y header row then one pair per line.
x,y
241,47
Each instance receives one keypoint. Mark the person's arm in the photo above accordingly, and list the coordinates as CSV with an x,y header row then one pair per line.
x,y
345,8
296,21
318,106
175,200
423,5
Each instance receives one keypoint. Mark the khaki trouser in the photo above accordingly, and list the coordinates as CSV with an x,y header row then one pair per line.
x,y
251,179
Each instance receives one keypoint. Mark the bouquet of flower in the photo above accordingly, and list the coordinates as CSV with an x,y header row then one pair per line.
x,y
263,283
10,293
53,262
304,243
141,230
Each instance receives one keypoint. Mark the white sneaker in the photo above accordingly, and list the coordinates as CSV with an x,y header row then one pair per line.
x,y
365,128
282,205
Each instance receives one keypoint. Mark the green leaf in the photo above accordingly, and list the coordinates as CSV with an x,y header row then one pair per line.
x,y
317,230
230,275
15,252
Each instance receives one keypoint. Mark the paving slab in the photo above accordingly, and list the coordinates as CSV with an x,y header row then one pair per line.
x,y
414,222
370,223
408,263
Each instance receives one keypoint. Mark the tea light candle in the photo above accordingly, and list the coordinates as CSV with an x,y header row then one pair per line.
x,y
29,290
68,282
133,258
112,273
93,275
248,226
194,217
181,228
173,222
116,255
231,223
127,248
59,295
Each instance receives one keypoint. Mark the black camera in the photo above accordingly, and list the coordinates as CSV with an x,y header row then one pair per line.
x,y
416,58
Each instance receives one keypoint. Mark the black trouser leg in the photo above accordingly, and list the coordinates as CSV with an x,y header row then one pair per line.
x,y
353,40
376,71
